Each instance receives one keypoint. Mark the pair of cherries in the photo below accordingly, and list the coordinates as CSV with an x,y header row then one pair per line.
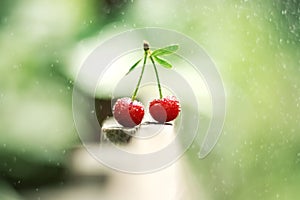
x,y
130,113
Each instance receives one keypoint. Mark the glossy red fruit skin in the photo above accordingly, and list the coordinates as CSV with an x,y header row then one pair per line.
x,y
165,109
128,113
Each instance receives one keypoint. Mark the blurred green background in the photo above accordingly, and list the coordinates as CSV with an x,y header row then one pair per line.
x,y
255,45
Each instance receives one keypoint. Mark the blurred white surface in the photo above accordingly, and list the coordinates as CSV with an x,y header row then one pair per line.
x,y
172,183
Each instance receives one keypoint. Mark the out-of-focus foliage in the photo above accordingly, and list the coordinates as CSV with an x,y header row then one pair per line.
x,y
36,125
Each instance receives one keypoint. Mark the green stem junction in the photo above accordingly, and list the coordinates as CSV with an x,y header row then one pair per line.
x,y
146,53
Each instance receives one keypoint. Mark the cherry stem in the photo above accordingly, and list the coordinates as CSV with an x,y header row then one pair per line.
x,y
157,78
141,75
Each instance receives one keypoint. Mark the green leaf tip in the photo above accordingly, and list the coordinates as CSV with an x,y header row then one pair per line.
x,y
165,50
163,62
133,66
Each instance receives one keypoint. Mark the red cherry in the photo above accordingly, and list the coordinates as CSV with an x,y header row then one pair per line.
x,y
165,109
128,113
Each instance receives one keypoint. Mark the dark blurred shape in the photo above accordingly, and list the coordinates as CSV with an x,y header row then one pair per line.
x,y
288,25
113,8
107,11
23,173
103,109
6,7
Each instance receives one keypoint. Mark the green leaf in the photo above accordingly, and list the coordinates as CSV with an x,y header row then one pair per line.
x,y
133,66
166,50
163,62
